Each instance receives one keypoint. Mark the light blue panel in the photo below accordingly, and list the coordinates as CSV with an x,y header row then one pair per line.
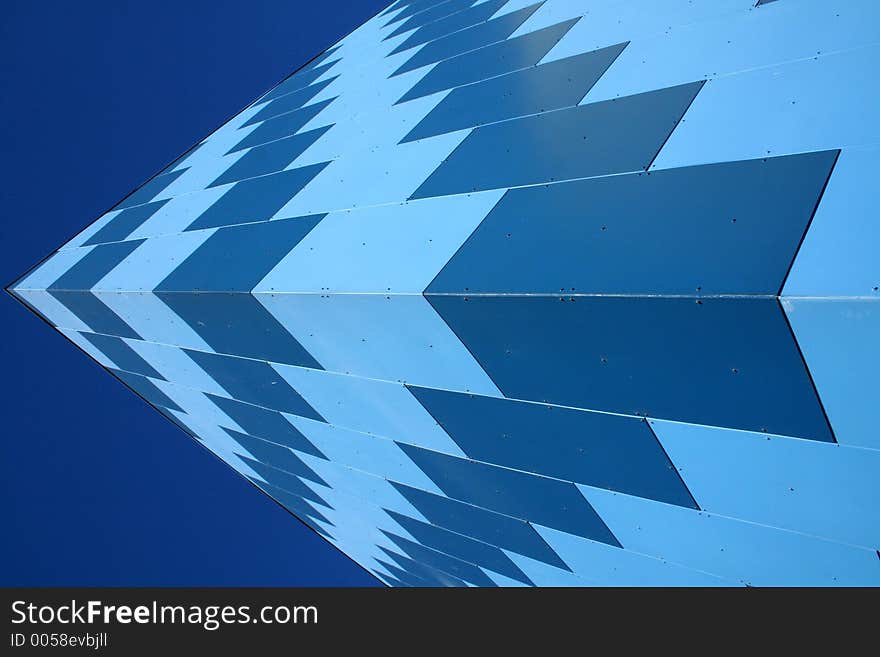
x,y
543,574
372,177
749,553
824,489
755,113
76,338
363,452
393,248
172,363
362,485
153,319
376,407
391,337
197,406
611,566
739,42
151,262
604,22
839,256
839,340
178,213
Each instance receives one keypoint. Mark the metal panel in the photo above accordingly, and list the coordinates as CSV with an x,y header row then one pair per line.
x,y
529,91
824,490
256,199
472,38
609,451
450,24
838,338
723,361
270,158
729,228
281,126
617,136
497,59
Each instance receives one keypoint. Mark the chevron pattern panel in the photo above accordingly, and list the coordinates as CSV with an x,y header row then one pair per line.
x,y
506,292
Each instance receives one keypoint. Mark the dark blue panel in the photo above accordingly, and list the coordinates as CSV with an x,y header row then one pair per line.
x,y
256,199
122,355
548,502
148,190
598,449
430,15
450,24
269,425
424,571
146,389
497,59
236,323
442,562
94,313
276,456
285,481
252,381
613,136
295,504
235,259
281,126
94,266
731,228
299,80
722,361
270,157
467,40
562,83
289,102
461,547
484,525
124,223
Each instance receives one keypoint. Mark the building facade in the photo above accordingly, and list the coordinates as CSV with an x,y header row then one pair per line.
x,y
504,292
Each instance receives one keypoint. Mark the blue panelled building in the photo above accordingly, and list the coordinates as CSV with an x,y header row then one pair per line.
x,y
528,293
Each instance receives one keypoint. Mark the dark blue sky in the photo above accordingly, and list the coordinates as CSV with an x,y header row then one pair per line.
x,y
95,487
